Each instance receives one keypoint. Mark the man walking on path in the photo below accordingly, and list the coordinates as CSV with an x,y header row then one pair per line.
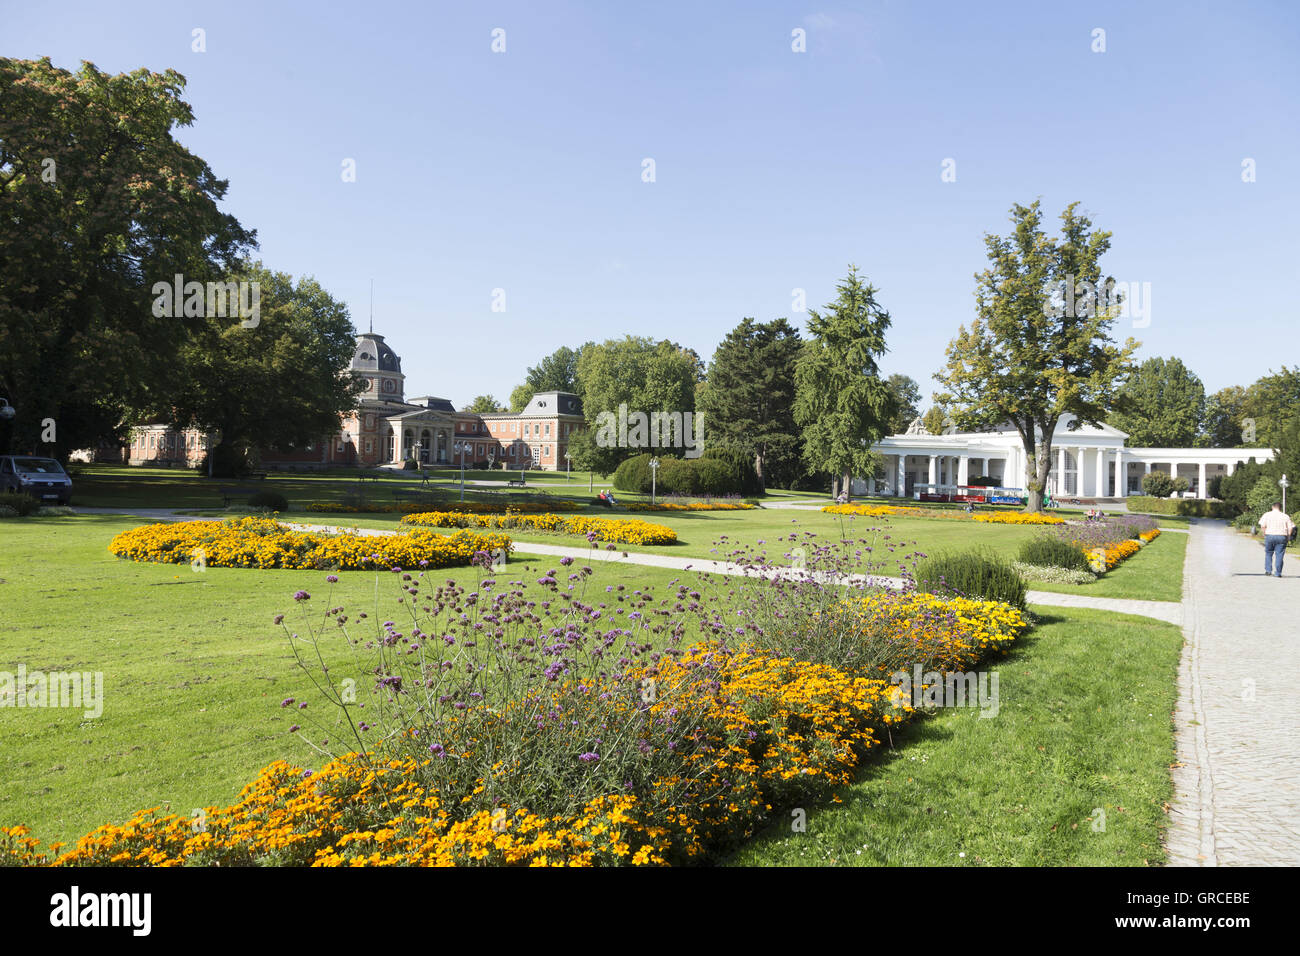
x,y
1277,528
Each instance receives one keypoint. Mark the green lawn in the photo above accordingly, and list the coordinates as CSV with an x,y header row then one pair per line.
x,y
194,670
1153,574
1084,723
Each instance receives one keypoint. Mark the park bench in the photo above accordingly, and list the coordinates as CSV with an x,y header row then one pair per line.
x,y
259,475
516,483
228,492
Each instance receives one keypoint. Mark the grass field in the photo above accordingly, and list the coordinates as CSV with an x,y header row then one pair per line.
x,y
1085,722
194,670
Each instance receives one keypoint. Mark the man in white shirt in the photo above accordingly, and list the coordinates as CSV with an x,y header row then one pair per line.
x,y
1276,525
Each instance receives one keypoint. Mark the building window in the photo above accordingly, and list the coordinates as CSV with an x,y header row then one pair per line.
x,y
369,446
548,429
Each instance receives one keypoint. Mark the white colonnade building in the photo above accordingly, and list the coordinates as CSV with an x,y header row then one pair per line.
x,y
1091,462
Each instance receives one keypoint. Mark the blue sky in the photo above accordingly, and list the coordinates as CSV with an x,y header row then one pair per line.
x,y
522,170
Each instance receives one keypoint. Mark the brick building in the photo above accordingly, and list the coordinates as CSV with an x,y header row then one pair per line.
x,y
386,429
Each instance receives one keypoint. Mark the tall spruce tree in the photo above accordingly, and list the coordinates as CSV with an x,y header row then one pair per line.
x,y
748,395
841,402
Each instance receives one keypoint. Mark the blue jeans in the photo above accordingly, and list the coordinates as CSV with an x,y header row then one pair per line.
x,y
1274,545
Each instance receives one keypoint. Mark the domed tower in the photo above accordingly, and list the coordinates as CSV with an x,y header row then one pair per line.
x,y
380,367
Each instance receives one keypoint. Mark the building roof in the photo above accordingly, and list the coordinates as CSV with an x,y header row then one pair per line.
x,y
374,355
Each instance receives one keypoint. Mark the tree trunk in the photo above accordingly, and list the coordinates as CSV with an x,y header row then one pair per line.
x,y
758,467
847,486
1040,467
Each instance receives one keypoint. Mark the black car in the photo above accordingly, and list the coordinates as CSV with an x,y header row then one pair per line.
x,y
42,478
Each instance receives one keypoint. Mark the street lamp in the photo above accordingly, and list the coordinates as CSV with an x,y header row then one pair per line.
x,y
568,467
654,473
461,448
1285,485
7,413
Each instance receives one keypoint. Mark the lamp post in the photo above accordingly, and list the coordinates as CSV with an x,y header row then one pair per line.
x,y
460,450
654,473
7,413
1284,484
568,467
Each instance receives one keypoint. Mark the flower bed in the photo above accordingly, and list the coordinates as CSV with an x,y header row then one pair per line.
x,y
1018,517
255,542
415,507
622,530
871,511
692,506
733,737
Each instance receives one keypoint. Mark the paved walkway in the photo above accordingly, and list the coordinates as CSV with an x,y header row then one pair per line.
x,y
1237,790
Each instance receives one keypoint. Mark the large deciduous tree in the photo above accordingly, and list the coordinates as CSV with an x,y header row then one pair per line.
x,y
1039,347
1270,404
748,395
1161,405
557,372
281,384
1224,425
645,375
907,399
841,402
97,203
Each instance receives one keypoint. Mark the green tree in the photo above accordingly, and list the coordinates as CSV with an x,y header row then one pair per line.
x,y
282,384
748,395
841,402
1033,353
1223,423
557,372
937,420
643,374
485,403
1161,405
1270,404
98,202
587,455
907,398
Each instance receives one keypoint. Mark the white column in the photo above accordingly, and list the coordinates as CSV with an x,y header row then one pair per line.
x,y
901,487
1200,487
1121,473
934,469
963,470
1060,470
1101,474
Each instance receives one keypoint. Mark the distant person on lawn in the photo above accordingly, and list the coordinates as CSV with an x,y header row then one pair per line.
x,y
1277,526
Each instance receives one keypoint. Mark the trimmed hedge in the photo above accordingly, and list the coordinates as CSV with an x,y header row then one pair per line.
x,y
1193,507
1050,551
983,575
717,472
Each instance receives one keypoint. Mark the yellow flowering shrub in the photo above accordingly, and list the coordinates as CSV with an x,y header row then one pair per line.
x,y
256,542
1105,559
621,530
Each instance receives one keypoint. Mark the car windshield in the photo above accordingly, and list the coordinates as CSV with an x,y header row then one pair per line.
x,y
37,466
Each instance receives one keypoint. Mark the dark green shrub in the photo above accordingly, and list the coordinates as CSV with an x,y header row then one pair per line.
x,y
1050,551
974,574
676,477
1158,484
271,500
712,477
633,475
743,478
1181,484
1194,507
410,464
